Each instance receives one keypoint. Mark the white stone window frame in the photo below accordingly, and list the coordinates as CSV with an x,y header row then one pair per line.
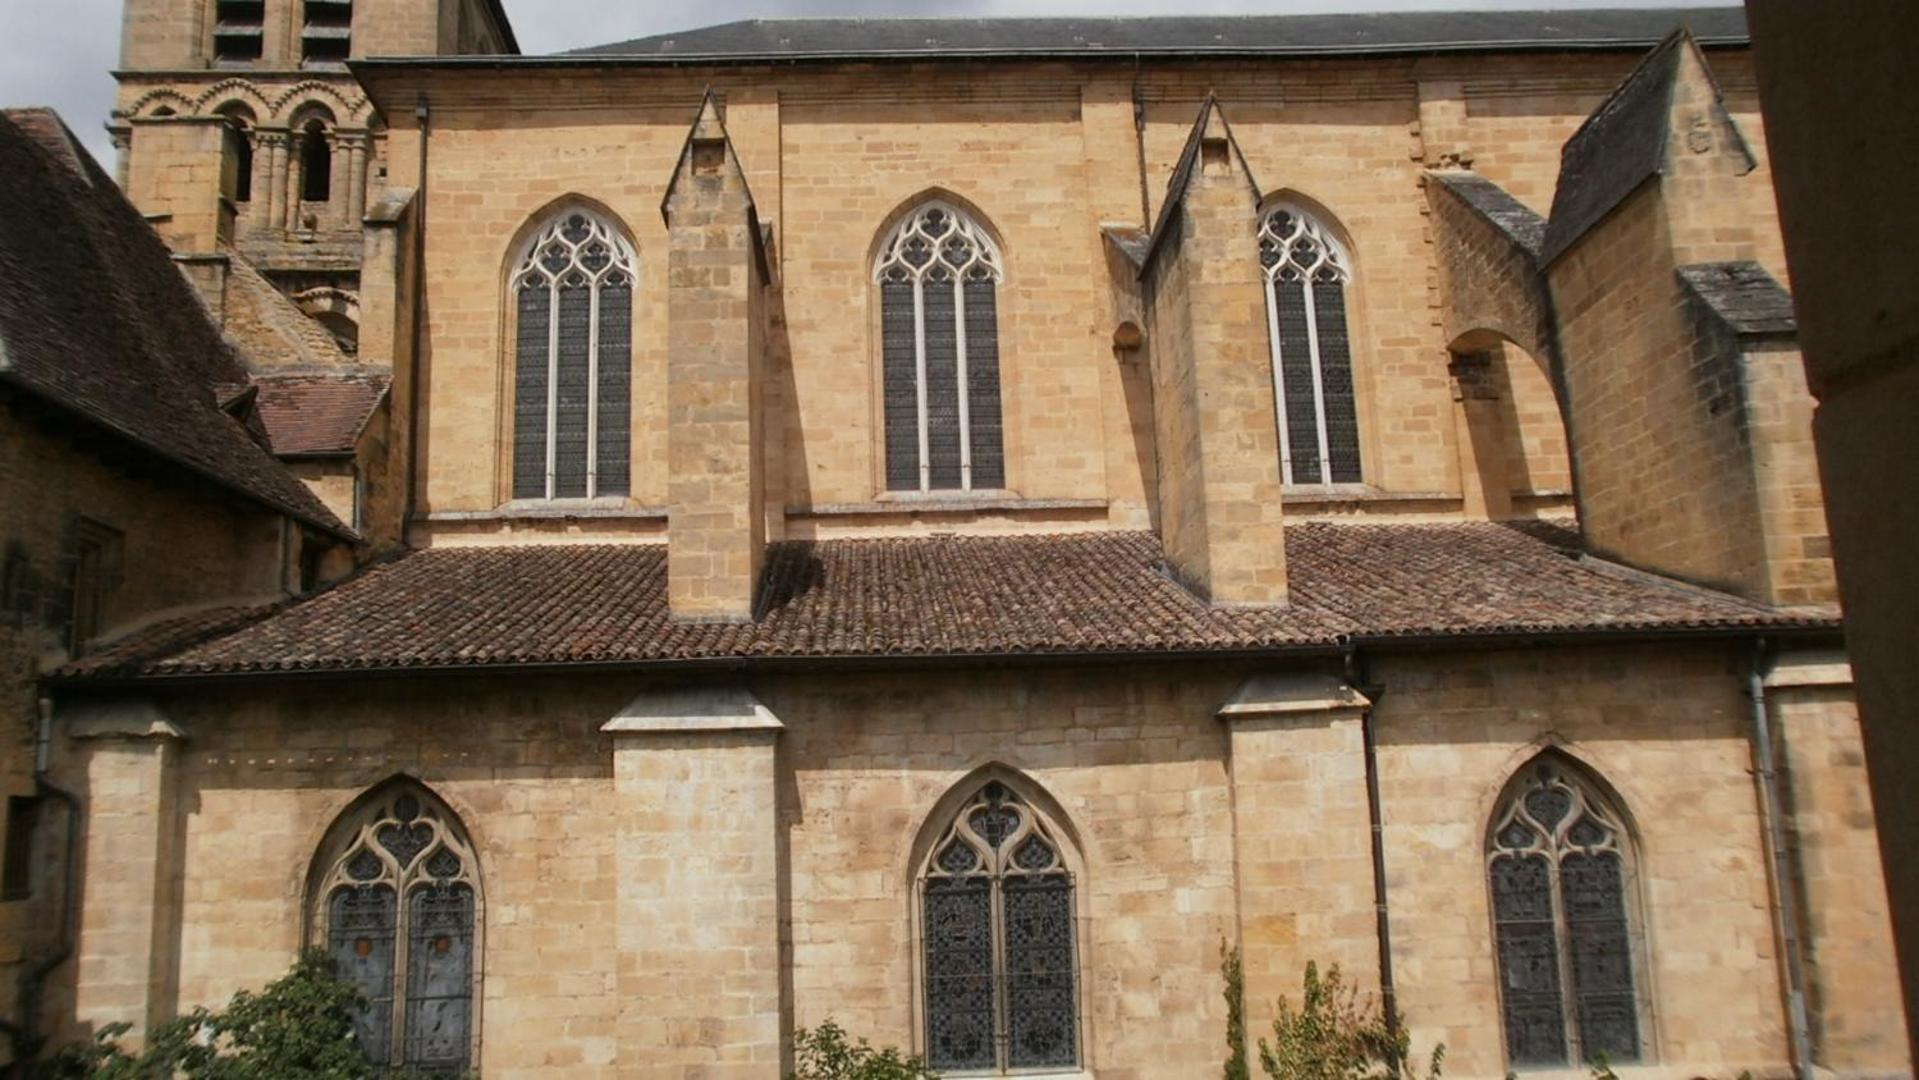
x,y
1591,794
357,828
985,258
1330,255
527,267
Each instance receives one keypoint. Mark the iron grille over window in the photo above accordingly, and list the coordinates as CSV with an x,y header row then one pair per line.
x,y
997,920
397,913
939,276
573,368
1306,278
1559,872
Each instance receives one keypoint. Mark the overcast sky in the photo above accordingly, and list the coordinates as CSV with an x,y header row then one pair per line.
x,y
58,52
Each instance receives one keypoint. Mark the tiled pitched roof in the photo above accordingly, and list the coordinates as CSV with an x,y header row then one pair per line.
x,y
1329,34
1068,595
96,319
317,415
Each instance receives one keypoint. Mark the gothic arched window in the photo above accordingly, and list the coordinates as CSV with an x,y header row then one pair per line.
x,y
1306,277
396,909
1001,972
572,375
939,275
1560,867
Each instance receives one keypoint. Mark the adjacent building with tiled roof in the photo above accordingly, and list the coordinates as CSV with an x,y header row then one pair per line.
x,y
958,528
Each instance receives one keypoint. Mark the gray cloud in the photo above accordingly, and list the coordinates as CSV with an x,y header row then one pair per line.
x,y
59,52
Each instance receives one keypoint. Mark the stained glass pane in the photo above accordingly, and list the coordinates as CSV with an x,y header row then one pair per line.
x,y
1528,960
360,938
1042,1014
959,973
1548,805
901,376
994,823
1593,887
529,393
1336,381
439,1006
942,386
1296,381
405,842
982,384
614,455
569,421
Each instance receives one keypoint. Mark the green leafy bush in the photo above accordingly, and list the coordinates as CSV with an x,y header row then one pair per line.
x,y
1231,970
823,1053
1332,1036
299,1028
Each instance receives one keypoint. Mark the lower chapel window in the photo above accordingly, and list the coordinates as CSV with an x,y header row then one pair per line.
x,y
1306,278
939,278
1560,875
997,918
572,373
397,913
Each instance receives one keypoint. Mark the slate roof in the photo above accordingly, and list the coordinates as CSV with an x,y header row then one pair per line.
x,y
1511,217
317,415
1744,296
1063,596
97,321
1262,35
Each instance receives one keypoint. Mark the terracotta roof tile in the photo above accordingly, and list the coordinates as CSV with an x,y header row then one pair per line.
x,y
1087,593
96,319
318,415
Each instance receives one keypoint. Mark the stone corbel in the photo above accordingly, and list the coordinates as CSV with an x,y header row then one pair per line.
x,y
118,718
1294,696
693,710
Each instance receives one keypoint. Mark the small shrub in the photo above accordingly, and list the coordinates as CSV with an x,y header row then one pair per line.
x,y
823,1053
1331,1036
1235,975
299,1028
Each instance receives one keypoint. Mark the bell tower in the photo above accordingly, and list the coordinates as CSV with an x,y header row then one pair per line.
x,y
241,133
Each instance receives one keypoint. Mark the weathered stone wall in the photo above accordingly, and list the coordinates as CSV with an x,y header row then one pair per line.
x,y
1185,835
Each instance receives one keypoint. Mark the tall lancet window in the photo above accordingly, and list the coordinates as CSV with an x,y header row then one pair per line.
x,y
1561,873
1002,991
939,277
573,376
396,909
1306,277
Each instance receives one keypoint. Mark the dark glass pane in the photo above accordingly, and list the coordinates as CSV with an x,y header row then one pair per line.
x,y
1548,805
1034,854
569,420
404,842
959,973
1336,380
942,386
958,858
994,823
1593,887
614,455
1528,960
901,375
1042,1015
529,394
439,982
1296,381
360,928
982,384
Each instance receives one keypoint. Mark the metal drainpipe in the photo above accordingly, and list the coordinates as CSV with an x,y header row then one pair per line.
x,y
24,1035
1785,883
1358,677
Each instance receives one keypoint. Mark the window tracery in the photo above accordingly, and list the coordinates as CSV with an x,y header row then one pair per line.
x,y
573,292
1001,975
398,913
939,275
1559,872
1306,278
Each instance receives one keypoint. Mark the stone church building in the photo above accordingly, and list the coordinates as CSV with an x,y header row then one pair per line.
x,y
942,526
